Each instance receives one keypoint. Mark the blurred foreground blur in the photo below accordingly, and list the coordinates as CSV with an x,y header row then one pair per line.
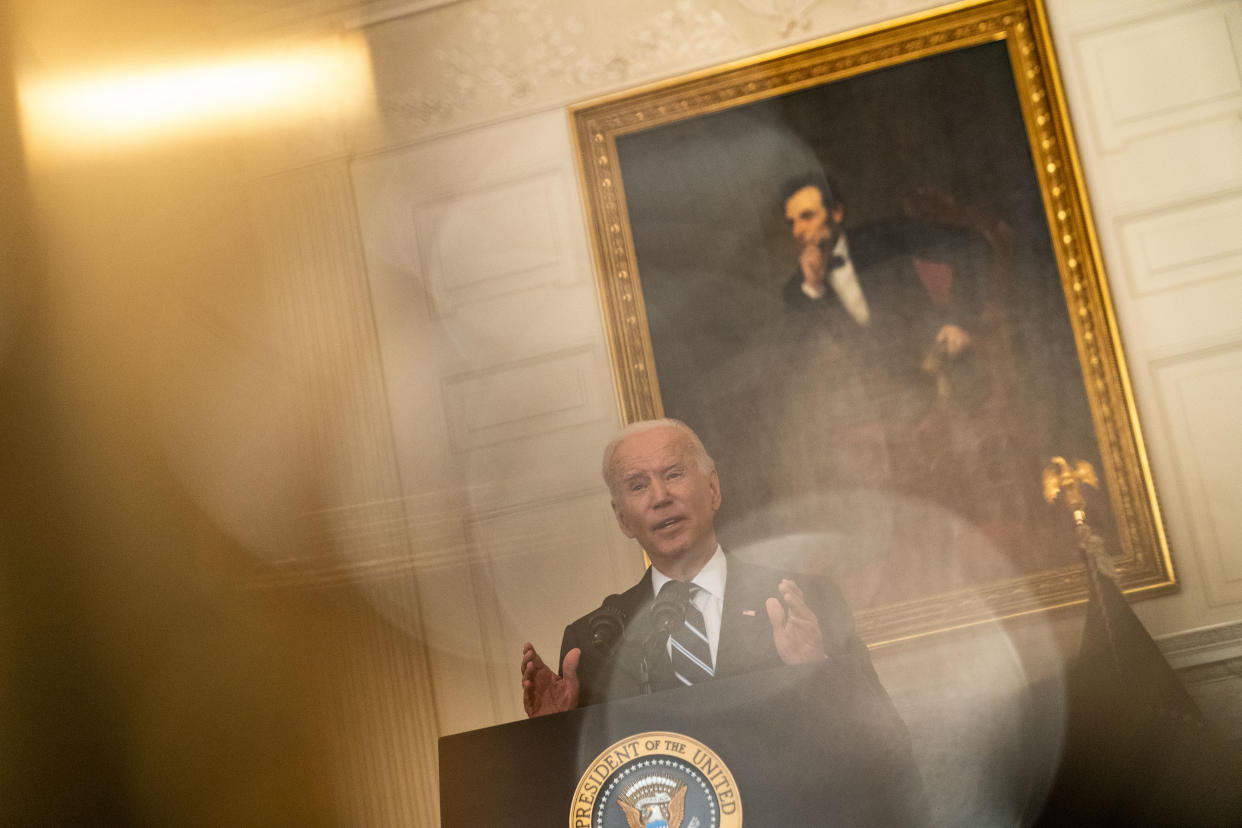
x,y
245,577
157,452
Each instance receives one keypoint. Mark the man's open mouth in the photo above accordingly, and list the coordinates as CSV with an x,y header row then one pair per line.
x,y
664,524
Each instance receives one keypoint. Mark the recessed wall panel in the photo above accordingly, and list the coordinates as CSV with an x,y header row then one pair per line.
x,y
1199,160
1160,71
523,399
1178,247
486,243
1203,395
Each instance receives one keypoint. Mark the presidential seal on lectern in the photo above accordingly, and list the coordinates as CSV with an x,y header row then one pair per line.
x,y
656,779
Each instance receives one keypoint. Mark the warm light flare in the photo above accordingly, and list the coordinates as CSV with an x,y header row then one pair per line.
x,y
105,109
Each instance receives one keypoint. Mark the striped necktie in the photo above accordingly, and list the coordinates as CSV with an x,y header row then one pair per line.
x,y
691,653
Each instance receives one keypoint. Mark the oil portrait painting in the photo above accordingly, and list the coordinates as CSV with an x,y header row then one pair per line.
x,y
864,272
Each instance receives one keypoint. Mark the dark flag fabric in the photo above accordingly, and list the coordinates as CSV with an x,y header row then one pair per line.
x,y
1137,751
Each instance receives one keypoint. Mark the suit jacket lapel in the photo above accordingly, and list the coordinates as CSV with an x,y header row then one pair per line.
x,y
745,631
636,597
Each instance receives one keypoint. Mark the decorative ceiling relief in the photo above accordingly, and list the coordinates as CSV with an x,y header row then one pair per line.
x,y
509,56
793,18
444,67
791,15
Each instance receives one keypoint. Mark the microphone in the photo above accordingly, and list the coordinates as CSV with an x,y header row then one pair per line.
x,y
665,614
669,609
606,624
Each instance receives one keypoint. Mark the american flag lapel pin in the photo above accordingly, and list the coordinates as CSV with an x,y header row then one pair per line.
x,y
751,613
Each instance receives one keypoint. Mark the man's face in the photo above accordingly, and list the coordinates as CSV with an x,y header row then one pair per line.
x,y
809,221
662,498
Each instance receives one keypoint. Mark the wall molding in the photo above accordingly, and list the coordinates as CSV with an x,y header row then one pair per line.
x,y
365,531
561,389
374,12
457,271
1195,391
1202,646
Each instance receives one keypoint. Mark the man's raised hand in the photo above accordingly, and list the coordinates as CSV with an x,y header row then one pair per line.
x,y
543,691
796,629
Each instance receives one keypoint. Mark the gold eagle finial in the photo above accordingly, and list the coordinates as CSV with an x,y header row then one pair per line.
x,y
1062,479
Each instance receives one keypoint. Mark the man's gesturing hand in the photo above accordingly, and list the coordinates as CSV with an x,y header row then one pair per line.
x,y
796,630
543,691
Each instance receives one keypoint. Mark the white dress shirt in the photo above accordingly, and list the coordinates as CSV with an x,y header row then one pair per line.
x,y
845,283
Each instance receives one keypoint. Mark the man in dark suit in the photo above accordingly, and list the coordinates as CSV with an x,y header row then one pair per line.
x,y
880,339
885,278
665,493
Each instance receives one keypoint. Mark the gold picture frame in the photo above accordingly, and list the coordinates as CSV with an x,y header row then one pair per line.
x,y
958,116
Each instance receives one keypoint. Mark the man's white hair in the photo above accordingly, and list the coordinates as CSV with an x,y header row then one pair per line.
x,y
701,457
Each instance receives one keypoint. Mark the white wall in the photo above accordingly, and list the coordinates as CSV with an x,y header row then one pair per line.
x,y
1155,92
